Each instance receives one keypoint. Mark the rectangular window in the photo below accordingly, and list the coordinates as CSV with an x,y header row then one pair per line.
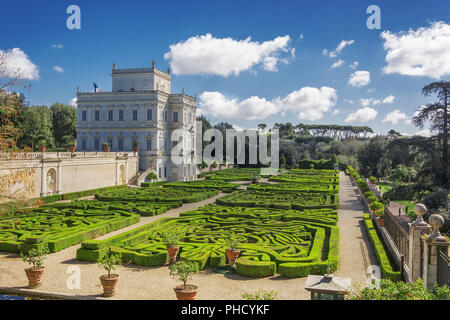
x,y
134,114
110,142
165,145
83,115
120,144
121,115
166,115
175,117
132,89
97,115
83,144
165,172
149,144
110,115
149,114
97,144
159,172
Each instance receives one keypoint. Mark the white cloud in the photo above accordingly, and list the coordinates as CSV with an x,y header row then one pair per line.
x,y
373,102
336,111
73,102
301,36
394,116
339,48
337,64
362,115
225,56
359,78
57,46
308,103
354,65
14,63
424,52
58,69
424,133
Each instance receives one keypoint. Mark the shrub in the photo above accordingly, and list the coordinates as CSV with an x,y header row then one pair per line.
x,y
151,176
170,239
374,206
372,179
232,242
35,257
261,295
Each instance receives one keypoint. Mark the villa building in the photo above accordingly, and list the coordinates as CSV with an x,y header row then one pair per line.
x,y
140,111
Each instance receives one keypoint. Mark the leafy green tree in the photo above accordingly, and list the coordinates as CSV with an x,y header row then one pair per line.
x,y
36,126
371,158
64,119
438,114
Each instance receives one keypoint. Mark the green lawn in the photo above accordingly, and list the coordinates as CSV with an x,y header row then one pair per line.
x,y
408,204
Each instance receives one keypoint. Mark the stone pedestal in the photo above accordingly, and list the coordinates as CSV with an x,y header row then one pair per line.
x,y
416,231
430,260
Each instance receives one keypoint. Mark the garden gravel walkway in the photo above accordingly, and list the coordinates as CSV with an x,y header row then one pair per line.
x,y
153,283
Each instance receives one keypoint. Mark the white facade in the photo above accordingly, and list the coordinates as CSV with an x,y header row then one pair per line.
x,y
140,108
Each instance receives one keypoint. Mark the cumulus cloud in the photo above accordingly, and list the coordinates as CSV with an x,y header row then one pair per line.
x,y
359,78
354,65
394,117
57,46
373,102
335,112
362,115
225,56
424,52
73,102
337,64
58,69
309,103
14,63
334,53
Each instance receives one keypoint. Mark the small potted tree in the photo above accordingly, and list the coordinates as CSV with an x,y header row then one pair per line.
x,y
170,239
35,257
151,176
232,253
109,281
184,270
106,147
135,145
42,144
71,147
372,180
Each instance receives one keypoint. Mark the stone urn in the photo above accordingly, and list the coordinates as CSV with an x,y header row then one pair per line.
x,y
109,284
232,255
186,293
34,275
172,251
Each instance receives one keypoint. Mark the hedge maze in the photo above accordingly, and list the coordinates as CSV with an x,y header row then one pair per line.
x,y
286,229
208,184
60,228
233,174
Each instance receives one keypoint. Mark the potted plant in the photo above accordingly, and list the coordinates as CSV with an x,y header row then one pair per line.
x,y
135,145
184,270
372,180
35,257
380,216
42,144
106,147
170,239
232,253
151,176
71,147
109,281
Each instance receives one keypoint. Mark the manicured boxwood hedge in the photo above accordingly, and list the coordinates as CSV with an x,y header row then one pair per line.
x,y
59,227
269,238
382,256
204,184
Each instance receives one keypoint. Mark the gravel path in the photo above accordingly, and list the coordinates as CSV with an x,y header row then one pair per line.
x,y
153,283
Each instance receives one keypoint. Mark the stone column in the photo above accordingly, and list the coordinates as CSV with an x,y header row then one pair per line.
x,y
432,244
416,230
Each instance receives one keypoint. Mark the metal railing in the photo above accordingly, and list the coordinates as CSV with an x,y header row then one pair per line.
x,y
397,233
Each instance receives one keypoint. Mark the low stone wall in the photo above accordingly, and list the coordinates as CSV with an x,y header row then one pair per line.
x,y
64,172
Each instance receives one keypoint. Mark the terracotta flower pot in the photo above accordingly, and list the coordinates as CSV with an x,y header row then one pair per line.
x,y
42,149
34,276
109,284
186,294
106,149
72,149
232,255
172,254
380,221
135,149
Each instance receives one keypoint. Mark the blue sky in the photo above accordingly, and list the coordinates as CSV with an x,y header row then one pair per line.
x,y
292,81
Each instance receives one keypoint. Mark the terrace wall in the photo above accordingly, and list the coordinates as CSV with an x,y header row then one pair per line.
x,y
63,172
